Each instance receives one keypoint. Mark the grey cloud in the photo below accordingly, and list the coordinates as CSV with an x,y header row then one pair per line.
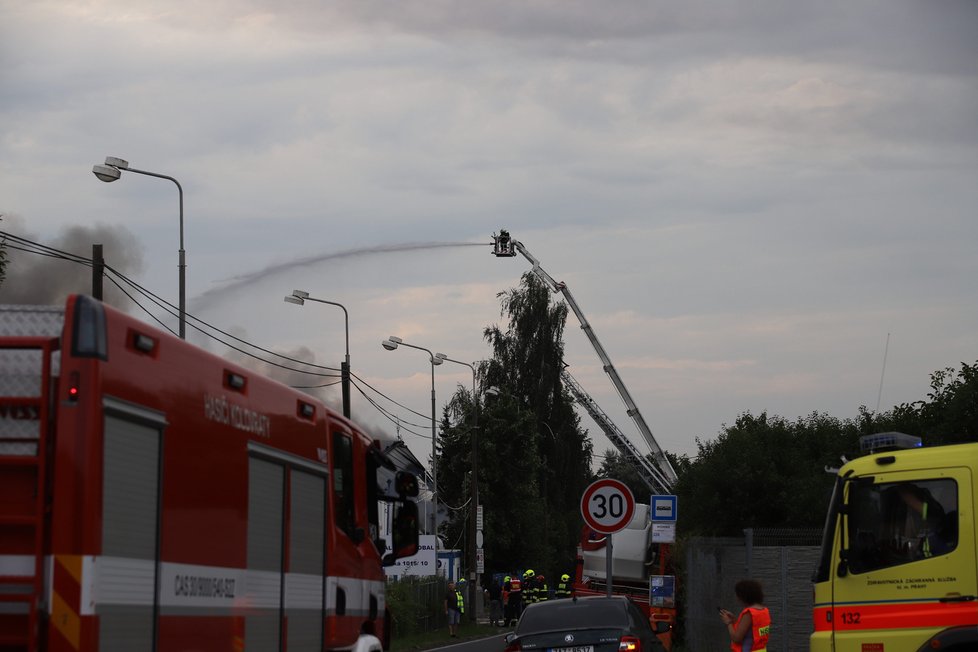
x,y
941,113
898,34
904,34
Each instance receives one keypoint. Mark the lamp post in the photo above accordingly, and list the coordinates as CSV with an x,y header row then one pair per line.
x,y
473,528
110,172
390,344
299,297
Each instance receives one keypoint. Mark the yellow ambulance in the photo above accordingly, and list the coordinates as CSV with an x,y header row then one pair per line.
x,y
897,570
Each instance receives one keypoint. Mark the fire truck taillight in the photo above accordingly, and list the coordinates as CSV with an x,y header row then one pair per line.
x,y
73,386
630,644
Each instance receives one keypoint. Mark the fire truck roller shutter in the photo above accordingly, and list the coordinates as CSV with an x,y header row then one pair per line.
x,y
127,568
307,549
266,495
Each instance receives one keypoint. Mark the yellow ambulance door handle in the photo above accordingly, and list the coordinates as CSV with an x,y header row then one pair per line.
x,y
957,597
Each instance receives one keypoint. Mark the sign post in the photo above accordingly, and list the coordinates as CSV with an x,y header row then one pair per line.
x,y
607,506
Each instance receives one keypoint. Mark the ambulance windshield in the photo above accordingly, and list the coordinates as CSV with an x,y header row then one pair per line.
x,y
900,522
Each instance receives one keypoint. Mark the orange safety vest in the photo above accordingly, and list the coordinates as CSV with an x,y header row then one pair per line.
x,y
760,625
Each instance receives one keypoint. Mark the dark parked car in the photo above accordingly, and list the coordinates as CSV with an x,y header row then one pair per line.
x,y
587,624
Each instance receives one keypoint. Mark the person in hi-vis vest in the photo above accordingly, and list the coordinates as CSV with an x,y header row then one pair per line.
x,y
749,631
454,608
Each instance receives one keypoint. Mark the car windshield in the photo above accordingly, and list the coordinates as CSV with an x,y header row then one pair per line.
x,y
569,614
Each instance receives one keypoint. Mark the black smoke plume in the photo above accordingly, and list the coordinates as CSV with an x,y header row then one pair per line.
x,y
36,279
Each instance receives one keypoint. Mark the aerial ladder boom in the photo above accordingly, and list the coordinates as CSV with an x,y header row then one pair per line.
x,y
505,246
652,477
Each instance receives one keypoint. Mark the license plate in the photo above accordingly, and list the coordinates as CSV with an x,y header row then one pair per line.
x,y
573,648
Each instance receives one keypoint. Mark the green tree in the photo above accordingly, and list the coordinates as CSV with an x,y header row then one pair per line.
x,y
616,465
762,472
505,476
534,457
771,472
951,414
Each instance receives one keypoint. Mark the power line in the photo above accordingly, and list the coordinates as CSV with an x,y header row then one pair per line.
x,y
423,416
141,306
335,382
167,307
28,246
390,417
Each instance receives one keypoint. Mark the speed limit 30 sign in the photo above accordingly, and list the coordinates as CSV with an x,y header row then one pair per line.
x,y
607,506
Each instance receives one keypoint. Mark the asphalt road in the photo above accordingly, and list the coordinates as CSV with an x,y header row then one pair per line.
x,y
490,644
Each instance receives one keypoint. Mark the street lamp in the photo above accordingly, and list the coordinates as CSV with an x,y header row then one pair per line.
x,y
299,297
110,172
390,344
473,528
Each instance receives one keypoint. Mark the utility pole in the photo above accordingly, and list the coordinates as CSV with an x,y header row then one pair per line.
x,y
98,270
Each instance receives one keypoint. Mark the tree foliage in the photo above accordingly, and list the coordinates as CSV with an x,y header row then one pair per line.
x,y
534,457
617,466
950,416
768,471
762,472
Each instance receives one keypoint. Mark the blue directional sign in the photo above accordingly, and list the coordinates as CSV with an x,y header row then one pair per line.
x,y
663,508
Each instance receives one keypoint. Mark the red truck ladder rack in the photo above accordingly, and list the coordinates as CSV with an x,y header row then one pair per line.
x,y
26,410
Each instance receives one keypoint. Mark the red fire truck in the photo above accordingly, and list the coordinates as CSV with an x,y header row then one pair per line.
x,y
154,496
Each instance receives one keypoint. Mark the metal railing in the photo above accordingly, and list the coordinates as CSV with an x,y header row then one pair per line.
x,y
416,604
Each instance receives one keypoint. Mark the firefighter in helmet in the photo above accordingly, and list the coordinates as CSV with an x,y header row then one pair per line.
x,y
542,591
563,589
529,586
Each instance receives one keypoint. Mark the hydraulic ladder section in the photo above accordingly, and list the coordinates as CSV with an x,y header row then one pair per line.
x,y
652,477
26,411
504,246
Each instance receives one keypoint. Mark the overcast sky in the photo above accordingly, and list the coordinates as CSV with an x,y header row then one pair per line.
x,y
746,198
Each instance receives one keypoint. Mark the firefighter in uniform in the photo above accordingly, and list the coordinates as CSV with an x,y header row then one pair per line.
x,y
529,587
542,593
513,589
563,589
